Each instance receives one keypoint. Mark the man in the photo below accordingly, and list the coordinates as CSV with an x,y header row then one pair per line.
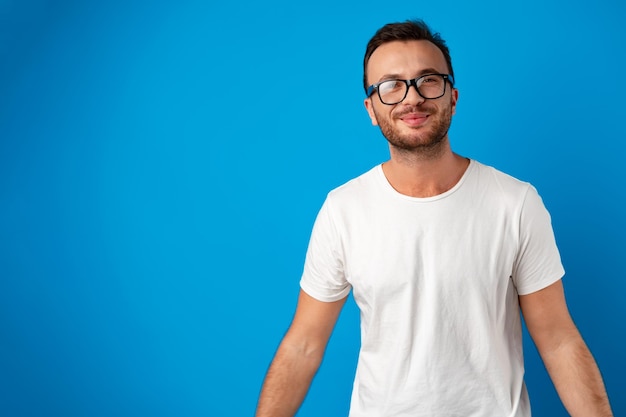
x,y
441,253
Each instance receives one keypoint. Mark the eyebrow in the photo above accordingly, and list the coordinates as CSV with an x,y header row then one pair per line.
x,y
399,77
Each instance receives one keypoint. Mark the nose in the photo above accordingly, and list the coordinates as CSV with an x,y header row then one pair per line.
x,y
412,96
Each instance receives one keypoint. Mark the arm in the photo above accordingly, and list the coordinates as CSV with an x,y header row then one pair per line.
x,y
568,360
298,357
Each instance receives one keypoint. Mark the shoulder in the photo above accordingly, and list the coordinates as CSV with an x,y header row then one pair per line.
x,y
502,184
357,188
353,198
504,180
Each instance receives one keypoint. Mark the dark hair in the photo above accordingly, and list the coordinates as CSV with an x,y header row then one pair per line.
x,y
411,30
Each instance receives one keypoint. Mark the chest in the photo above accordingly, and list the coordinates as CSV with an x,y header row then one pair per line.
x,y
439,250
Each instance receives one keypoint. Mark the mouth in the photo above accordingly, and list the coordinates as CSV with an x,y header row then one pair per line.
x,y
414,119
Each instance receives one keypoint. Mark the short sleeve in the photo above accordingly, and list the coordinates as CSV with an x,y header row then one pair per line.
x,y
323,277
538,263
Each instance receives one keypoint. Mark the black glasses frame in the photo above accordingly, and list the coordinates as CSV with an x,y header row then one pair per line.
x,y
412,82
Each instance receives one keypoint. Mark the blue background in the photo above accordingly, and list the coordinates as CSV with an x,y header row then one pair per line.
x,y
162,163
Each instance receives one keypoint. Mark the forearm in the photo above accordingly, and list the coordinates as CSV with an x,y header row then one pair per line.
x,y
577,379
287,381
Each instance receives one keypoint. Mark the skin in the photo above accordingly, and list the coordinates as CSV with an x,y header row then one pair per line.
x,y
422,164
298,357
567,358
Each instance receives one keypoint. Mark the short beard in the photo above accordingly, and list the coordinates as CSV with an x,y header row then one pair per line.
x,y
428,143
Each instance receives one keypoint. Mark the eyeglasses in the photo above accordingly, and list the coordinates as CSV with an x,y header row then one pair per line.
x,y
429,86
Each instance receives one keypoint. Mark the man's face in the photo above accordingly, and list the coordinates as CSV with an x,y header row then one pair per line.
x,y
415,123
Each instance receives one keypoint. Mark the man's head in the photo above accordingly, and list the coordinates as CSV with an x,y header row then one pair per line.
x,y
411,30
409,86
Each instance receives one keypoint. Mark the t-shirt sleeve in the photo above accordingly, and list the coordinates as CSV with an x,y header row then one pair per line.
x,y
323,277
538,262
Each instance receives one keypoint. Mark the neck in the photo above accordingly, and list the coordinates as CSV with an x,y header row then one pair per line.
x,y
424,174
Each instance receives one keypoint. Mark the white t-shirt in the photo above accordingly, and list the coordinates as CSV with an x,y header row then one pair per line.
x,y
437,282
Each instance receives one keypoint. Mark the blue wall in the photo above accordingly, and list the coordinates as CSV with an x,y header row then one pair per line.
x,y
161,165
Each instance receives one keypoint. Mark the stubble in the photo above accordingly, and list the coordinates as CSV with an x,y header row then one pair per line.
x,y
424,142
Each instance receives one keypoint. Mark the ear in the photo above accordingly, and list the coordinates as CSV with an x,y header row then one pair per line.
x,y
369,106
454,99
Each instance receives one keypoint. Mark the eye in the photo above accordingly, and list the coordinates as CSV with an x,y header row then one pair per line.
x,y
431,79
390,86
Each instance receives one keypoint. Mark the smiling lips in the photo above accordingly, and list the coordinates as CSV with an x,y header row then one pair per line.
x,y
414,119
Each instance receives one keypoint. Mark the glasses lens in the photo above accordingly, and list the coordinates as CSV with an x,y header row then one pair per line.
x,y
392,91
431,86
